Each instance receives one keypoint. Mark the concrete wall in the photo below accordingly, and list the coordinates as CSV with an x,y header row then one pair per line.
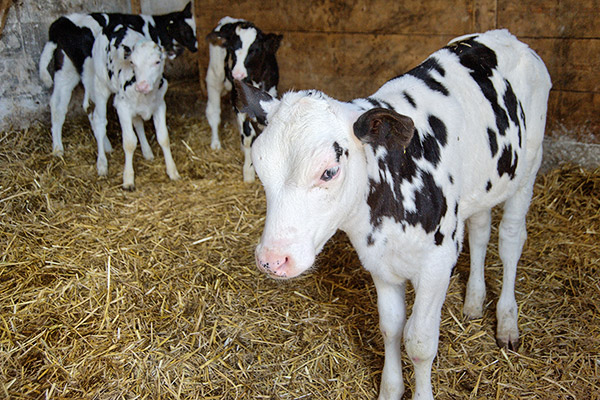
x,y
23,97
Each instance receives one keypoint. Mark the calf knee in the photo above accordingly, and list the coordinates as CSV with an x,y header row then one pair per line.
x,y
420,341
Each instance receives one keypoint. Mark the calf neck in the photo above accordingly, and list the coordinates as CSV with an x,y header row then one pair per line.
x,y
401,172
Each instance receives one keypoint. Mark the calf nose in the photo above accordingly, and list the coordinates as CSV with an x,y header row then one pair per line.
x,y
142,87
273,262
238,75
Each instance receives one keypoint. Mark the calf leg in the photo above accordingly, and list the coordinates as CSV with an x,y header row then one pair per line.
x,y
98,120
479,236
421,334
512,235
392,316
138,124
162,135
129,145
215,76
247,134
65,81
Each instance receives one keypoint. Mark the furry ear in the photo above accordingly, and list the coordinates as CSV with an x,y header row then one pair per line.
x,y
272,42
126,52
255,102
383,126
216,39
187,11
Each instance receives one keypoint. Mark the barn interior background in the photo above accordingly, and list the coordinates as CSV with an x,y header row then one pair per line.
x,y
153,294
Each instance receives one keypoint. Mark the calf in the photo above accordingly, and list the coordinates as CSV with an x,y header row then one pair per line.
x,y
239,50
400,172
70,43
130,66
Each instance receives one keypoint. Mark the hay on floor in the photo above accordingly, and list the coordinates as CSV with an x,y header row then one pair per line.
x,y
107,294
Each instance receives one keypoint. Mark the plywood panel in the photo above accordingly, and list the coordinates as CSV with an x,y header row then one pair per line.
x,y
377,16
573,63
550,18
349,65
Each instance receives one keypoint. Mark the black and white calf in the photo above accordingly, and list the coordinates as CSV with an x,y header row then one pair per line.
x,y
239,50
130,66
69,46
401,172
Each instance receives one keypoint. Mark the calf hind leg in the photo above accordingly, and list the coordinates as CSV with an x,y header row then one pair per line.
x,y
512,235
65,81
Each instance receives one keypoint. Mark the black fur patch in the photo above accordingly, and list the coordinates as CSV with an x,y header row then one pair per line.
x,y
423,72
409,98
507,163
488,186
339,150
439,237
129,83
76,42
511,102
481,61
438,128
493,141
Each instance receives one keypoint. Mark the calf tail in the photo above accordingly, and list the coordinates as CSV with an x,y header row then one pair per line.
x,y
45,58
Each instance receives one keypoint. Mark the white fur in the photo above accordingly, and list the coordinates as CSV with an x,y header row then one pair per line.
x,y
303,212
134,103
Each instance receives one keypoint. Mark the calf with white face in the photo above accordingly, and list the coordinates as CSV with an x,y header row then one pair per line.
x,y
131,67
401,172
239,51
69,48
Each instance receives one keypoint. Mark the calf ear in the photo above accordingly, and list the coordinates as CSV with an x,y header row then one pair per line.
x,y
215,39
384,127
273,41
255,102
187,11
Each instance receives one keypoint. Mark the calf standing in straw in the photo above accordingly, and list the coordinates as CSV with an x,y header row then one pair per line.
x,y
130,66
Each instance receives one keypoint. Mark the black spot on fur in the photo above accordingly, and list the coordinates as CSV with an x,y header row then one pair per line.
x,y
247,129
511,103
438,128
451,179
439,237
424,73
488,186
481,61
370,240
493,141
129,83
507,163
339,150
409,98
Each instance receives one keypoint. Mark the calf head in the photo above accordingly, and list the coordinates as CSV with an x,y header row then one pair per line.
x,y
248,49
311,160
148,62
181,27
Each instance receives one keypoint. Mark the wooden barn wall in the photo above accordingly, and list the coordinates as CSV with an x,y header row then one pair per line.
x,y
349,48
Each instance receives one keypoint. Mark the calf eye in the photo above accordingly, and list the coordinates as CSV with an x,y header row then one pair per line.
x,y
330,173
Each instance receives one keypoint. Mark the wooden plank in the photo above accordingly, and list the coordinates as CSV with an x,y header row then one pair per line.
x,y
367,16
575,113
573,63
346,66
136,7
565,18
202,54
484,15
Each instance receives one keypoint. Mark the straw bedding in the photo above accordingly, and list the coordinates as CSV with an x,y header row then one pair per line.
x,y
153,294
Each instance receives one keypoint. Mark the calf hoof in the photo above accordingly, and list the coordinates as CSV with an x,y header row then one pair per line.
x,y
102,170
508,343
130,187
472,311
58,152
174,176
215,145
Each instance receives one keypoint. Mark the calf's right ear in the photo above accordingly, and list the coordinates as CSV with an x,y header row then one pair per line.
x,y
255,102
216,39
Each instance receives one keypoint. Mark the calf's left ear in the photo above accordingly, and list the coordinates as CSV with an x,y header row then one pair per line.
x,y
255,102
384,127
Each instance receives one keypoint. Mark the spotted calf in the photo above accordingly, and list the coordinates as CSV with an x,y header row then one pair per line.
x,y
130,66
239,51
401,172
69,48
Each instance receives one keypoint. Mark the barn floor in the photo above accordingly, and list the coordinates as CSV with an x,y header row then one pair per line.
x,y
107,294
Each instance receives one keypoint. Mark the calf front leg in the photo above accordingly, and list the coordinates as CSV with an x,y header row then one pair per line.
x,y
162,135
99,122
392,316
247,133
129,145
421,334
138,124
